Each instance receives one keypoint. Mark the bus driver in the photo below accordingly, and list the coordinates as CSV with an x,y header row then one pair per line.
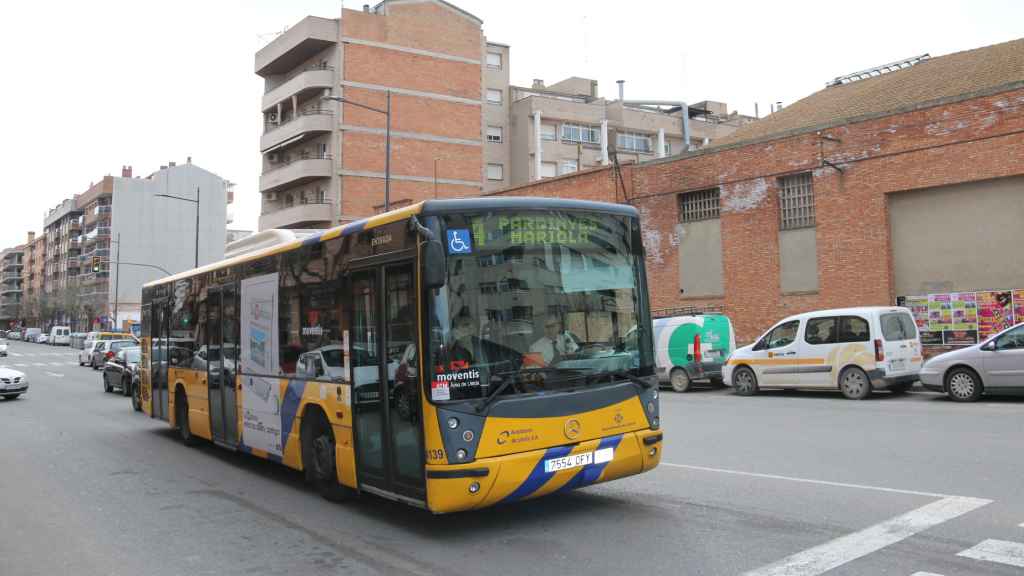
x,y
556,343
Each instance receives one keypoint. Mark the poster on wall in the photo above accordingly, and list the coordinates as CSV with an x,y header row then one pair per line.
x,y
940,313
995,312
965,310
261,395
918,306
960,337
1018,306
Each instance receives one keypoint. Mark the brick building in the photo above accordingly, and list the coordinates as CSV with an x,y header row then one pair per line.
x,y
323,160
898,181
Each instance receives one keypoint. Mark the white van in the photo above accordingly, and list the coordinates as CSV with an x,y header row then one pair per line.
x,y
60,336
854,350
691,349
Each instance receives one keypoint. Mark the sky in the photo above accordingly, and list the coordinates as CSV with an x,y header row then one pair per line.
x,y
91,86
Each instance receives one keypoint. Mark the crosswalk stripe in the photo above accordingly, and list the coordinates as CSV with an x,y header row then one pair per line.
x,y
999,551
835,553
925,574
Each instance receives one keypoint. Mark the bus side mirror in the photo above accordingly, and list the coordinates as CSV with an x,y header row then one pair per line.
x,y
434,267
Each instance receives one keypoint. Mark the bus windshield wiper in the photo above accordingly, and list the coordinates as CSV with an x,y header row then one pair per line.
x,y
624,375
509,376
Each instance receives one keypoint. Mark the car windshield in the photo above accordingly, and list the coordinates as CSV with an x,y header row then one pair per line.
x,y
332,358
132,355
548,299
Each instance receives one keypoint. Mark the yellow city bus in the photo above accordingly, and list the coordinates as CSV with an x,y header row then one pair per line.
x,y
452,355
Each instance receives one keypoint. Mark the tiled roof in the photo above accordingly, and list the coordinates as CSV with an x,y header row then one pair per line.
x,y
935,79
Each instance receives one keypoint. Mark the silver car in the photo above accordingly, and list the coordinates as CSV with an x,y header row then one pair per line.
x,y
995,366
12,383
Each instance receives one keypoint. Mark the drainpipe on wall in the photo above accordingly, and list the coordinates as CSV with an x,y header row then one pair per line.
x,y
661,142
604,142
537,153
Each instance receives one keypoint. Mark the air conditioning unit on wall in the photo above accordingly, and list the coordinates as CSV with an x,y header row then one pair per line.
x,y
273,157
271,196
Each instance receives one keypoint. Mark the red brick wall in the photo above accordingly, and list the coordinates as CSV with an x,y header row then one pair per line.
x,y
423,26
965,141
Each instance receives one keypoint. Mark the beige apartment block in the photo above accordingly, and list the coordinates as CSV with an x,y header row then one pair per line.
x,y
567,126
11,262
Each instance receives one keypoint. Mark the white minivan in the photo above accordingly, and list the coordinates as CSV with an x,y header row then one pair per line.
x,y
853,350
60,336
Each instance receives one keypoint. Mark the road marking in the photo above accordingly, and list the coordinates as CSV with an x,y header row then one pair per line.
x,y
844,549
54,374
1001,551
19,365
925,574
1021,524
807,480
39,364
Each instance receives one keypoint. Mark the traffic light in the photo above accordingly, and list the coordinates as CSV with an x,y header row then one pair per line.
x,y
95,263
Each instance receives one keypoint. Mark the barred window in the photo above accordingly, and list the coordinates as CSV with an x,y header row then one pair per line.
x,y
699,205
581,133
796,201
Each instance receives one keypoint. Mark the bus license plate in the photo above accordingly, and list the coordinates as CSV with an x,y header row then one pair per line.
x,y
567,462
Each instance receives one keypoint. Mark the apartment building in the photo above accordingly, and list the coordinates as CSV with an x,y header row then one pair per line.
x,y
62,234
11,262
325,161
32,274
566,127
136,230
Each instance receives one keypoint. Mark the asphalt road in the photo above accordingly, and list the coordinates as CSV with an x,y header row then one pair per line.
x,y
781,483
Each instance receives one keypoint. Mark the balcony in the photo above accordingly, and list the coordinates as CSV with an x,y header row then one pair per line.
x,y
296,173
299,216
299,43
297,83
8,289
307,124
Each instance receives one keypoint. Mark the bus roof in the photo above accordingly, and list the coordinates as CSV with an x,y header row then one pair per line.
x,y
425,208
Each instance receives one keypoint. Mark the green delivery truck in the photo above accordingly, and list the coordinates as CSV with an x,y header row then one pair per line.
x,y
692,349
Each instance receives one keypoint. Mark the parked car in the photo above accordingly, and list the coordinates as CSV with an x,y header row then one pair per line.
x,y
854,350
60,336
85,354
995,366
119,371
41,338
31,334
12,383
691,349
14,335
3,348
77,340
106,349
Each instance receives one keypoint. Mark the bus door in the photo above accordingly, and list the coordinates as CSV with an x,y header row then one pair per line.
x,y
221,358
161,335
385,376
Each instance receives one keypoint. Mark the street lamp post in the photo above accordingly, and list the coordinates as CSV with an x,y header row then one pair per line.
x,y
196,202
387,139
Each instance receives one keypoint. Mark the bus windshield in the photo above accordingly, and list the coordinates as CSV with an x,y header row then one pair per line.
x,y
537,301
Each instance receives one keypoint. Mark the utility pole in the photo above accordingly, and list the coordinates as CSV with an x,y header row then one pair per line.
x,y
197,228
387,155
117,277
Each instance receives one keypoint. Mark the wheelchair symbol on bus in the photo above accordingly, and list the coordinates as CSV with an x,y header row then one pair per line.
x,y
459,241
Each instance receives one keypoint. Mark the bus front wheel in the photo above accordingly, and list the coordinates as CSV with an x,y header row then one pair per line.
x,y
319,458
181,419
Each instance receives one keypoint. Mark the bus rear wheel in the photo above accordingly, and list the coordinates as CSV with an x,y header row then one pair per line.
x,y
320,460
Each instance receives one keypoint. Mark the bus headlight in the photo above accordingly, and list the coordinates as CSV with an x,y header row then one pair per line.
x,y
474,487
467,436
460,454
453,422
